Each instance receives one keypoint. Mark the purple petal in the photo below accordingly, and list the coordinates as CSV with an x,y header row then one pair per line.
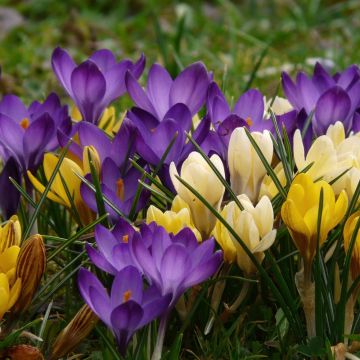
x,y
332,106
138,68
321,79
307,92
190,87
137,93
226,128
99,260
89,86
155,308
158,89
181,115
91,135
14,108
63,66
348,77
290,91
106,241
36,137
174,268
104,59
204,271
250,106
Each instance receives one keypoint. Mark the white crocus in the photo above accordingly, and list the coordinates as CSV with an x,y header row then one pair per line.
x,y
254,226
197,173
246,168
279,105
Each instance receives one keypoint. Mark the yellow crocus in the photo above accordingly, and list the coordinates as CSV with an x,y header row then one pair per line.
x,y
173,220
254,225
268,186
68,170
8,294
349,229
300,213
10,233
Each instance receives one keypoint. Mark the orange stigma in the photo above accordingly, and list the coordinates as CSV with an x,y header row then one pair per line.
x,y
125,239
127,295
24,123
120,189
249,121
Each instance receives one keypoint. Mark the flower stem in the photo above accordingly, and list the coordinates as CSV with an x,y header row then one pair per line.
x,y
160,338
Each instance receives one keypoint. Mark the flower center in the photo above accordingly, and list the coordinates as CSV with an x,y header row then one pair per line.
x,y
249,121
120,189
127,295
24,123
125,239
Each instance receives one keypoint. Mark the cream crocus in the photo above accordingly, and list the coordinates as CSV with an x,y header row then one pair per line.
x,y
246,168
268,186
279,105
197,173
254,226
173,220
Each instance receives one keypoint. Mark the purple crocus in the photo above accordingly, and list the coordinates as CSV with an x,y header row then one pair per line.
x,y
128,308
162,92
331,98
119,180
248,111
96,82
174,263
25,135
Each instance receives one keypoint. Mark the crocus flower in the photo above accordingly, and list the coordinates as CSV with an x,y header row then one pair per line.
x,y
300,213
173,220
9,294
96,82
113,253
246,168
128,307
349,229
332,98
162,92
57,193
254,225
198,174
25,135
174,263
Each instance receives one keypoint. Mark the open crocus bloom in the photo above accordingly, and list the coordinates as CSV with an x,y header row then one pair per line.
x,y
300,213
254,225
128,308
8,294
96,82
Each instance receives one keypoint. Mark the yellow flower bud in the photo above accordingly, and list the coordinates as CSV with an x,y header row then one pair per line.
x,y
77,330
300,213
10,234
254,225
30,268
246,168
172,221
94,156
349,229
197,173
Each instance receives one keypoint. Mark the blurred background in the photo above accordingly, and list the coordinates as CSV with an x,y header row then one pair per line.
x,y
245,43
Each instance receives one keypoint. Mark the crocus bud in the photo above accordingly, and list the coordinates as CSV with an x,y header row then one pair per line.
x,y
10,234
197,173
300,213
30,268
246,168
91,153
22,352
77,330
254,225
268,186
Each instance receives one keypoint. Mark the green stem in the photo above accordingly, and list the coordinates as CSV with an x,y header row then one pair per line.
x,y
160,338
